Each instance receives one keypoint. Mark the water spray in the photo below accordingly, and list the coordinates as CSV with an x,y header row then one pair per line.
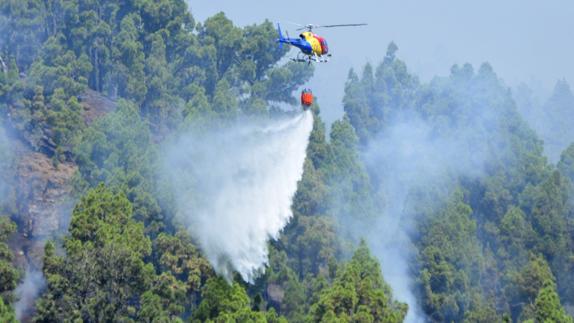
x,y
234,188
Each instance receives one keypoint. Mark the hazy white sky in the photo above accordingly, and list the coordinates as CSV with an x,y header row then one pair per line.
x,y
524,40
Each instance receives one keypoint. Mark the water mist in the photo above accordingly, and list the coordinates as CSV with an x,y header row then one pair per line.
x,y
233,188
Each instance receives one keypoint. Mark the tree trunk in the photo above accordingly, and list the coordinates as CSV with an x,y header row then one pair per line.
x,y
3,65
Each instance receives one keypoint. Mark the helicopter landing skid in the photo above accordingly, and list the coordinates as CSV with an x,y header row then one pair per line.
x,y
310,59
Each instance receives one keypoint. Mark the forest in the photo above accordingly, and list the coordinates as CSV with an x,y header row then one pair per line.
x,y
443,201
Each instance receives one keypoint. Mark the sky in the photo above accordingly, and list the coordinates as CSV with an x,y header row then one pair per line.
x,y
528,41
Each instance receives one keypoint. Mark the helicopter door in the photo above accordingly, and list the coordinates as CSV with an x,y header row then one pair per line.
x,y
324,46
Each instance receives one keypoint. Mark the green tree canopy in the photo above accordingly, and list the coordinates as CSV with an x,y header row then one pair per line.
x,y
103,274
358,294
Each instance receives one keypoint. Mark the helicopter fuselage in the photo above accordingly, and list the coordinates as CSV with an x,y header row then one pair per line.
x,y
309,43
312,46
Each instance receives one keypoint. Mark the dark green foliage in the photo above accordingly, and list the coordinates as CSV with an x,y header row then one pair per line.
x,y
358,294
310,238
335,187
48,124
535,287
21,29
165,301
499,248
566,164
223,302
150,53
547,307
516,235
525,284
516,208
547,205
178,256
6,313
9,275
369,100
351,193
103,271
166,72
128,52
285,291
58,67
450,260
117,150
6,168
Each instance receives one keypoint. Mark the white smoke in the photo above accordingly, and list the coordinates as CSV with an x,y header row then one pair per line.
x,y
5,163
234,187
28,291
416,164
552,119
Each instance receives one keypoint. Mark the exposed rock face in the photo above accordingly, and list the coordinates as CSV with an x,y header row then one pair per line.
x,y
43,192
42,189
95,105
43,200
42,209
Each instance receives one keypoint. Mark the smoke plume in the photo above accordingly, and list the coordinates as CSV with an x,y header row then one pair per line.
x,y
551,120
5,163
416,162
409,158
233,188
28,291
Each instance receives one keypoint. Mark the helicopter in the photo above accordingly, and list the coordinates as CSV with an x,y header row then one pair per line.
x,y
313,48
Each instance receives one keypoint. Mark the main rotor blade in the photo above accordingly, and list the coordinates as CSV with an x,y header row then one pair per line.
x,y
340,25
311,26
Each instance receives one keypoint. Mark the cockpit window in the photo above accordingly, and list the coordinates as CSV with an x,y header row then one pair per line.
x,y
324,46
